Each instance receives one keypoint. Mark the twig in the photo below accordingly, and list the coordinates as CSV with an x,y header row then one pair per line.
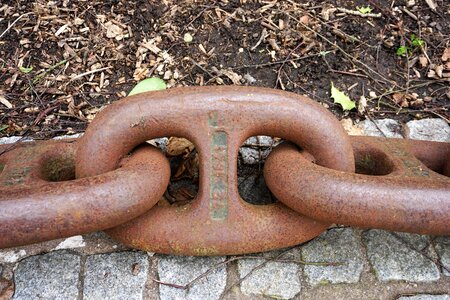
x,y
51,68
357,13
282,65
13,23
89,73
349,73
261,38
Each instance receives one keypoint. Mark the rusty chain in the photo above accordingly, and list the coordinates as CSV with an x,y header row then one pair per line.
x,y
398,185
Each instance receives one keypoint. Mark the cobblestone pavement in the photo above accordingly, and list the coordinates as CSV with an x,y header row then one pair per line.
x,y
369,264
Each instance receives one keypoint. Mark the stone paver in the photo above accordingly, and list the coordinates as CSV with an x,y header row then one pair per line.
x,y
392,259
251,155
49,276
11,256
115,276
384,128
425,297
429,129
443,250
273,279
334,246
181,270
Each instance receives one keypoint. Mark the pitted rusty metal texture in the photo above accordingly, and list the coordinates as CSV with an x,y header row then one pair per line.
x,y
217,120
39,201
405,190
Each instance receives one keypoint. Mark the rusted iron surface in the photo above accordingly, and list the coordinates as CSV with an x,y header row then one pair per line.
x,y
217,120
406,193
35,205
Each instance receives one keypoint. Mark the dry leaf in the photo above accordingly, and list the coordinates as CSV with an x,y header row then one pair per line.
x,y
423,61
234,77
362,105
178,146
446,55
350,128
402,99
113,31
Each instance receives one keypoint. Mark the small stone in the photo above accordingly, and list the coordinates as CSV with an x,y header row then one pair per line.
x,y
334,246
49,276
393,259
425,297
384,128
71,243
249,78
252,156
274,279
372,94
429,129
181,270
115,275
443,250
11,256
249,152
188,38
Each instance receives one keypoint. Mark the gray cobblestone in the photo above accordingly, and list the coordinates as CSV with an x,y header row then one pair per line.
x,y
182,269
443,250
429,129
385,127
425,297
273,279
335,245
251,155
115,276
49,276
393,259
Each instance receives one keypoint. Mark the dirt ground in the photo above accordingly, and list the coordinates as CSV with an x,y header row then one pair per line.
x,y
62,61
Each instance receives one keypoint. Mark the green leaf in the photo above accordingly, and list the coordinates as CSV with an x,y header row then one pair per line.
x,y
364,9
324,53
25,70
341,98
401,51
147,85
3,127
417,42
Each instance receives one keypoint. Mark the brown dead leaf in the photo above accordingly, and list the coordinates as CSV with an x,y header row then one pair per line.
x,y
233,76
113,31
446,55
350,128
188,169
362,104
179,146
401,99
423,61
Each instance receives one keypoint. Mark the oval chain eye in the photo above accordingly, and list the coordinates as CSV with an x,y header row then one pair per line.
x,y
39,203
406,194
